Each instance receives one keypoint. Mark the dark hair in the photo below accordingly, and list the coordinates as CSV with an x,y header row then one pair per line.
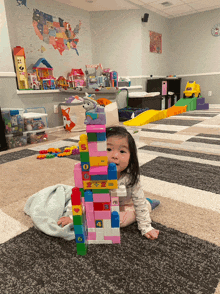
x,y
132,169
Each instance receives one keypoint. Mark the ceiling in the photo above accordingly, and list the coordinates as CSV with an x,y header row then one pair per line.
x,y
166,8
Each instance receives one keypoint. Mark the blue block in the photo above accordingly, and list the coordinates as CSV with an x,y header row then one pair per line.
x,y
101,136
115,220
99,178
80,238
112,171
79,229
85,166
88,196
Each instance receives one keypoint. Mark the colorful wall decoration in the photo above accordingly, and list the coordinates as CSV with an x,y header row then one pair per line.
x,y
155,42
55,31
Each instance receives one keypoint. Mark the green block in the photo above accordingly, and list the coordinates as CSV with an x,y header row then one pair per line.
x,y
92,137
81,248
190,102
82,192
77,219
100,191
84,156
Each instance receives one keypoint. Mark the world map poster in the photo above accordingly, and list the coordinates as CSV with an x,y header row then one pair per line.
x,y
55,31
155,42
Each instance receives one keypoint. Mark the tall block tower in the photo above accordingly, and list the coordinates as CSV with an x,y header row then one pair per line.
x,y
95,198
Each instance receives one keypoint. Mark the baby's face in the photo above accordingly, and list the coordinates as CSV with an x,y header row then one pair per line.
x,y
118,152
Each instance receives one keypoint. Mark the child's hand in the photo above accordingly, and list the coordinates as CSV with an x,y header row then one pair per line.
x,y
153,234
65,220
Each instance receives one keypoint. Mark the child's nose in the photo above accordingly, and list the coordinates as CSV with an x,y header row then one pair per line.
x,y
115,154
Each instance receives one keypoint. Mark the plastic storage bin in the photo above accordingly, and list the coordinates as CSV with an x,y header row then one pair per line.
x,y
35,121
14,141
13,120
34,137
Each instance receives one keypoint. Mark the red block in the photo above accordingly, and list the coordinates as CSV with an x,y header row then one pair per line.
x,y
100,206
86,176
76,196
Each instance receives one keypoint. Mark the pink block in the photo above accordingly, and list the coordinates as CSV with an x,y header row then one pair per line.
x,y
98,170
78,175
101,197
91,235
97,153
89,206
95,128
102,214
90,220
92,146
115,239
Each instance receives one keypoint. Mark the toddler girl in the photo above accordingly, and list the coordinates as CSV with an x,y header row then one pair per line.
x,y
122,150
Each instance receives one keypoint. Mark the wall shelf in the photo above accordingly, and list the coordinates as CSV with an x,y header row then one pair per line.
x,y
23,92
83,91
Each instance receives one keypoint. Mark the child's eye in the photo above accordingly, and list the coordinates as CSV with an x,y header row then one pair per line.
x,y
122,151
109,149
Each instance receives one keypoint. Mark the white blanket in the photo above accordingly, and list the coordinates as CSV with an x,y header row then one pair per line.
x,y
47,206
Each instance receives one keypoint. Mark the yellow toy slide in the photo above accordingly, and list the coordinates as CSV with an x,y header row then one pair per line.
x,y
154,115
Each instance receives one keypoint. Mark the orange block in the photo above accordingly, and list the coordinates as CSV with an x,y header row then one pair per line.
x,y
174,110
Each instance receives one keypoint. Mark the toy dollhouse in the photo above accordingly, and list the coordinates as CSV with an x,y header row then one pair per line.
x,y
76,78
44,74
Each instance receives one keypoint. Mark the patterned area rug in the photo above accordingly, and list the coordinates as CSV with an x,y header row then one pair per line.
x,y
180,164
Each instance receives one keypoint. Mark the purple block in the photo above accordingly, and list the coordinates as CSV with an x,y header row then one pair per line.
x,y
202,106
200,101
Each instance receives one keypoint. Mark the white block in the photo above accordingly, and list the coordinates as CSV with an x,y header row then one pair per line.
x,y
107,224
115,208
91,230
99,241
100,234
101,146
115,232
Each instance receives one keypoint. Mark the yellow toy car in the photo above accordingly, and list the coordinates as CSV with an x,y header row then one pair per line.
x,y
192,90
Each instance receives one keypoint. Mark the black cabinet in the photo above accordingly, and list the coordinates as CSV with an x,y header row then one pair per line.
x,y
165,85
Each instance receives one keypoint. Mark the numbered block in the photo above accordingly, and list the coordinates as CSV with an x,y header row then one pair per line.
x,y
80,238
95,128
99,223
86,176
85,166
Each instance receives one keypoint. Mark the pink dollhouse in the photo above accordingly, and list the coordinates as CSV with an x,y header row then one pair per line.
x,y
76,78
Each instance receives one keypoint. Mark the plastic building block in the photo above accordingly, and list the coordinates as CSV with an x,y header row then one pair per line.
x,y
92,137
41,156
88,195
101,136
115,220
112,171
98,161
76,196
95,128
84,156
78,176
85,166
99,178
98,170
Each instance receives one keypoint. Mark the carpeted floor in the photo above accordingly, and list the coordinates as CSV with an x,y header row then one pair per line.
x,y
180,164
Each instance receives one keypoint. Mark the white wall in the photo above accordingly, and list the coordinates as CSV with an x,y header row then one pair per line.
x,y
6,64
120,41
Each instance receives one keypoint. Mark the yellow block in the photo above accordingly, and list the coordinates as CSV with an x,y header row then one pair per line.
x,y
98,161
77,209
95,185
112,184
